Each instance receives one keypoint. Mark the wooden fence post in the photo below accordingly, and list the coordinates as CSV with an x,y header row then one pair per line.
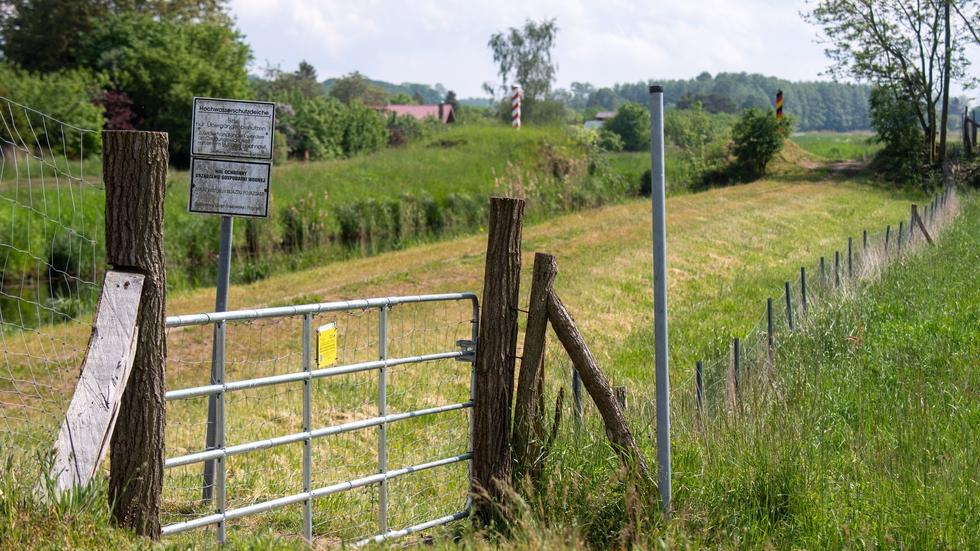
x,y
496,355
134,168
529,433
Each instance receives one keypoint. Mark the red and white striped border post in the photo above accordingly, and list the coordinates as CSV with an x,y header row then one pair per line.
x,y
515,107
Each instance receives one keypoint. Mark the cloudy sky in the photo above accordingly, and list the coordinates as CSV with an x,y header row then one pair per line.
x,y
602,42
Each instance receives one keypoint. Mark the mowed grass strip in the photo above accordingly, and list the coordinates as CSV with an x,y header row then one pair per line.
x,y
727,248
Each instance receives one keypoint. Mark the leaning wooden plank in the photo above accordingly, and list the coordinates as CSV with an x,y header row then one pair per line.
x,y
87,428
596,384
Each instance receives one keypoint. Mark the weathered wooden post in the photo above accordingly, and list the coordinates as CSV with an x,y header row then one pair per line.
x,y
806,308
496,355
699,387
770,345
134,166
529,433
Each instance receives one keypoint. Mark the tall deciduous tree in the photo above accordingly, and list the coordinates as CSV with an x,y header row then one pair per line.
x,y
46,35
523,56
900,45
356,87
161,64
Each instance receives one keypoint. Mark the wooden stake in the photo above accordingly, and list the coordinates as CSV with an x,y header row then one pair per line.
x,y
529,432
596,384
918,222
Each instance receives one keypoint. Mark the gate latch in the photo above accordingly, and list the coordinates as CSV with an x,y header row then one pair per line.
x,y
468,348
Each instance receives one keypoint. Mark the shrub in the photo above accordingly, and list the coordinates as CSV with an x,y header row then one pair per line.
x,y
632,124
317,126
757,137
67,96
161,64
610,141
403,129
364,130
903,157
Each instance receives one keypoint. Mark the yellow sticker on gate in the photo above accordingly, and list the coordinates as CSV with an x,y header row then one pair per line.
x,y
326,345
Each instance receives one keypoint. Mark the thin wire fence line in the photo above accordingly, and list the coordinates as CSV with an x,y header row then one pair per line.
x,y
51,226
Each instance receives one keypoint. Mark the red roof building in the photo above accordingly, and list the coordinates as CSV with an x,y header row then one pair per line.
x,y
442,111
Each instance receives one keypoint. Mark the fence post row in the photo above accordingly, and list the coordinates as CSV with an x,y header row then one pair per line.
x,y
134,169
823,272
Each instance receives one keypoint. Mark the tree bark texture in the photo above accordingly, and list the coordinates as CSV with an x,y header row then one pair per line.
x,y
596,384
134,168
529,428
496,356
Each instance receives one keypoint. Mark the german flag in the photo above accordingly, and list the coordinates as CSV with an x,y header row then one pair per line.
x,y
779,104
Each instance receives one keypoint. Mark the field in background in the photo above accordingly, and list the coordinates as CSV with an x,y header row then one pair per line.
x,y
838,146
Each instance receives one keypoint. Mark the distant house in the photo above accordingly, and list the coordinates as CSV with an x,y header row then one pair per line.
x,y
441,111
600,119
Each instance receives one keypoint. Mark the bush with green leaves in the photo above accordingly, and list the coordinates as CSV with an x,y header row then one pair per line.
x,y
403,129
632,124
316,125
365,130
68,96
609,141
756,139
902,158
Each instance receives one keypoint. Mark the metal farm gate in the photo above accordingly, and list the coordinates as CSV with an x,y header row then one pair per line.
x,y
370,436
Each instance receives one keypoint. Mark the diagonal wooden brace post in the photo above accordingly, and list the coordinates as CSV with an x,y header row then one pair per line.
x,y
918,221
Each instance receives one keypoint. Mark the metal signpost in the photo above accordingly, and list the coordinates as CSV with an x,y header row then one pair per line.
x,y
660,294
231,170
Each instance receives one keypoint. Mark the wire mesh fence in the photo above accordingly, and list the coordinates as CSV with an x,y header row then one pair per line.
x,y
395,358
51,224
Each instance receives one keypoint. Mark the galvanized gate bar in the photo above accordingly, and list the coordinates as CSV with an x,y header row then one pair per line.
x,y
288,311
248,384
412,529
320,492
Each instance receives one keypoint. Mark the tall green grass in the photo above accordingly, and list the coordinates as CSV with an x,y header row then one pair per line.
x,y
863,436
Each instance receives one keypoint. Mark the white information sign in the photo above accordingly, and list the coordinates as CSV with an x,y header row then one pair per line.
x,y
233,128
230,188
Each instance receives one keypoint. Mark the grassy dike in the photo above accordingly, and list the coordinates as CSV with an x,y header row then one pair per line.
x,y
728,249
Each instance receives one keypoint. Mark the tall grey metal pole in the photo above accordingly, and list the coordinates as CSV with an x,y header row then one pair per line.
x,y
657,189
217,347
